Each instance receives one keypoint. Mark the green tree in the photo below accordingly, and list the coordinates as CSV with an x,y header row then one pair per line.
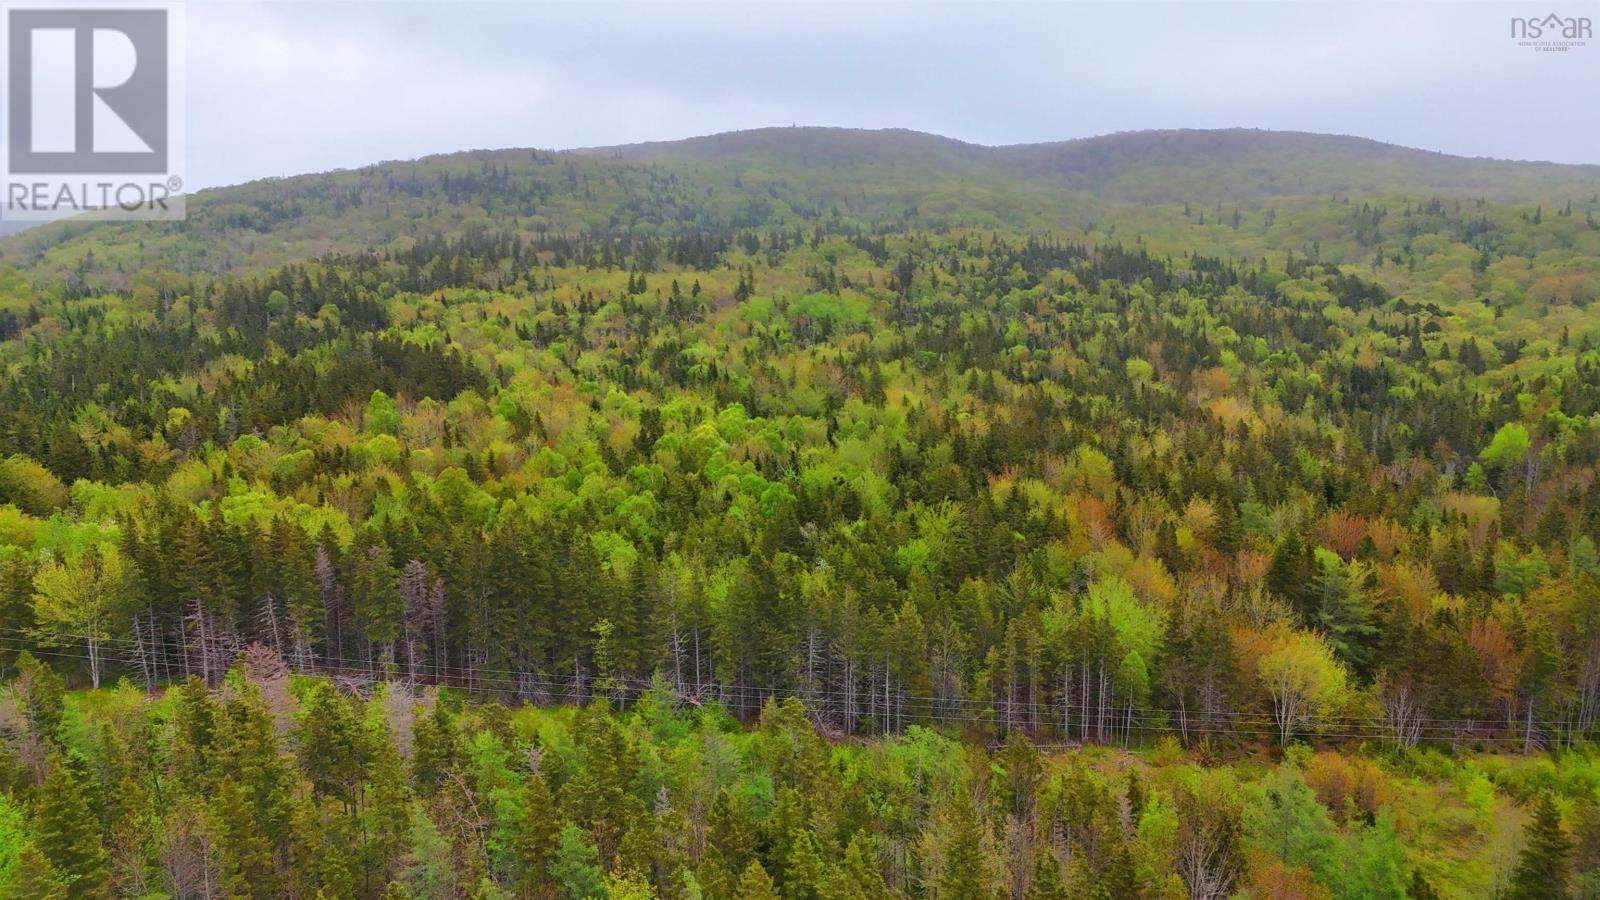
x,y
1509,445
34,878
438,748
1287,819
244,853
858,876
535,837
333,751
375,593
82,599
1302,677
381,416
1544,871
576,866
67,832
1344,611
1374,863
39,692
1047,883
755,884
386,810
965,873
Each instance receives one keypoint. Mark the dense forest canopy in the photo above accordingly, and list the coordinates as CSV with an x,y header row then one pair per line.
x,y
741,517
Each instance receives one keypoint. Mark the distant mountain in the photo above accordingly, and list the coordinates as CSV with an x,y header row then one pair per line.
x,y
777,177
1168,166
1240,164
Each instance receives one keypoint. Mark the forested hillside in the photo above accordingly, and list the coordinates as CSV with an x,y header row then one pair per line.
x,y
742,517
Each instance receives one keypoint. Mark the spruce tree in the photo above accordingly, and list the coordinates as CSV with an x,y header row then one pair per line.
x,y
438,749
244,854
755,884
1545,869
386,810
67,832
535,836
730,843
1047,883
859,875
39,691
964,865
33,878
577,865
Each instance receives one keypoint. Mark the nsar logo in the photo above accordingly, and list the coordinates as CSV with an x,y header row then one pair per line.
x,y
1552,33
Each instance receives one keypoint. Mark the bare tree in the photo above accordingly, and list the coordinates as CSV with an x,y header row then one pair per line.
x,y
1207,848
1402,710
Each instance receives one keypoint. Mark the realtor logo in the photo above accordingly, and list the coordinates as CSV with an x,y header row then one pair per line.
x,y
90,120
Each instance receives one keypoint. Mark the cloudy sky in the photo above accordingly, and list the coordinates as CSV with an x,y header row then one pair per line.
x,y
291,86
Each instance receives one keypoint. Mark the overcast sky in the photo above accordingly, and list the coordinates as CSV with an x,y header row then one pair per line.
x,y
292,86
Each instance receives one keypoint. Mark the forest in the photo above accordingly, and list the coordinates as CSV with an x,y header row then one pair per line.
x,y
800,521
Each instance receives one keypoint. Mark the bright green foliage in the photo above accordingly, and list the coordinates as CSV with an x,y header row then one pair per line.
x,y
1374,862
81,600
13,835
381,416
30,486
576,867
1288,820
1510,445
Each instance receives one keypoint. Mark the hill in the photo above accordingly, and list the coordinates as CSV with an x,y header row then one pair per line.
x,y
784,177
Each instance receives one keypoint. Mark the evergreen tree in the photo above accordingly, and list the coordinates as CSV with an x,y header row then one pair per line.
x,y
1047,883
965,866
67,832
755,884
730,844
33,878
576,866
1544,870
535,837
244,854
39,691
333,751
386,810
438,748
858,876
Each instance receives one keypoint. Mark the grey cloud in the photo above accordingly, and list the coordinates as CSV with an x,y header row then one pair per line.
x,y
287,87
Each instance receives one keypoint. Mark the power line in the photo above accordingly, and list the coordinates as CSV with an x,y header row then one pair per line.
x,y
1109,718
